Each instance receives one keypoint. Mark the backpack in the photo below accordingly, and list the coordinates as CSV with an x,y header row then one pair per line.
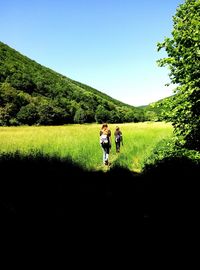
x,y
118,138
104,139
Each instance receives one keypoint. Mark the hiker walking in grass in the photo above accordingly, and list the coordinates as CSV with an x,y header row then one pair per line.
x,y
105,142
118,139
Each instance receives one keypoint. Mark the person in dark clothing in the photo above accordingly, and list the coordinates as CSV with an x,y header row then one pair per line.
x,y
105,142
118,139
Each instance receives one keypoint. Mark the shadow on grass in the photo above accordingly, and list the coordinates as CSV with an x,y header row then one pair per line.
x,y
43,189
171,192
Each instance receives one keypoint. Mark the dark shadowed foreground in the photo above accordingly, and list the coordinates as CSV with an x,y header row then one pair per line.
x,y
42,191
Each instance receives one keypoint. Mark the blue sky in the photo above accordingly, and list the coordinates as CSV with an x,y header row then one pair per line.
x,y
107,44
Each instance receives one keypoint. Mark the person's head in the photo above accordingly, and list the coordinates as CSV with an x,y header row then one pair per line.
x,y
104,126
117,128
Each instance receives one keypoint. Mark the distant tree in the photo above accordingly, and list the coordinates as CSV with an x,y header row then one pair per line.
x,y
102,115
90,116
114,117
23,98
9,103
7,93
151,116
129,116
60,116
46,113
134,115
6,113
183,60
80,116
28,114
140,116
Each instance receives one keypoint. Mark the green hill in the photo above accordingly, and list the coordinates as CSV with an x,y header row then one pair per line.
x,y
157,110
33,94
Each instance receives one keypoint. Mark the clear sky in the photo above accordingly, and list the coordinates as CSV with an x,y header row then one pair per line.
x,y
107,44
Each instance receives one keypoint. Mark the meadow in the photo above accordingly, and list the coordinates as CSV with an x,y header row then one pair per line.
x,y
80,143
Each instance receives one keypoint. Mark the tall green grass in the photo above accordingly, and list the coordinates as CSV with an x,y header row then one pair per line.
x,y
139,141
81,142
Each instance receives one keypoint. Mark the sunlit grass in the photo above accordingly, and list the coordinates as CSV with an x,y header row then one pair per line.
x,y
81,142
139,141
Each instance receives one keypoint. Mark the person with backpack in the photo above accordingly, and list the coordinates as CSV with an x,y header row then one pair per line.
x,y
105,142
118,139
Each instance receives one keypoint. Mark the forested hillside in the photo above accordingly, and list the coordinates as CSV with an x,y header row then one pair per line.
x,y
33,94
158,110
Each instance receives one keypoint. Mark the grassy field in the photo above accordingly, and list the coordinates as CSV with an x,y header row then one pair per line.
x,y
81,142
